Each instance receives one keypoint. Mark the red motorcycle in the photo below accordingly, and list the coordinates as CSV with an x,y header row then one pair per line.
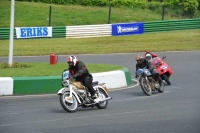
x,y
163,69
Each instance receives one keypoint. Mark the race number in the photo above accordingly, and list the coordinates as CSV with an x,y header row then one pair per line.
x,y
163,67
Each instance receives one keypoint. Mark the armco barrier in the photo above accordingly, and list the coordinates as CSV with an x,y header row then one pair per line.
x,y
106,29
83,31
57,32
51,84
169,25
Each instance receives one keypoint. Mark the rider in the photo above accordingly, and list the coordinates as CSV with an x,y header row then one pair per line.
x,y
79,72
148,57
143,62
150,54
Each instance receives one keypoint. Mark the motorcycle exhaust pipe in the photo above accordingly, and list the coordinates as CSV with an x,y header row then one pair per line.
x,y
108,98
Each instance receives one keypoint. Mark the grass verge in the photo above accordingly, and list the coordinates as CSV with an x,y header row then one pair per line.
x,y
45,69
28,14
185,40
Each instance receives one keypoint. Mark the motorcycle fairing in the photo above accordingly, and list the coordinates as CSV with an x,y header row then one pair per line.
x,y
162,67
146,71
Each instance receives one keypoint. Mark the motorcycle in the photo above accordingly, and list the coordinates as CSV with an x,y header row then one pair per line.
x,y
148,83
74,94
163,69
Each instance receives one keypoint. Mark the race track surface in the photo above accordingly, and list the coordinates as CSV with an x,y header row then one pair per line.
x,y
177,110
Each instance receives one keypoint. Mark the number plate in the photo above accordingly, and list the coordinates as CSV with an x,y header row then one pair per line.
x,y
65,75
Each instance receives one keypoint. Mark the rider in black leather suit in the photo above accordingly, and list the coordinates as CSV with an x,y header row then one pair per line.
x,y
143,62
79,72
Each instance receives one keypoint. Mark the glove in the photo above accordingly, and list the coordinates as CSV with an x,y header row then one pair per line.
x,y
136,76
151,69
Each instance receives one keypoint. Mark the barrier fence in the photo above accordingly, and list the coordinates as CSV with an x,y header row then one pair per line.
x,y
170,25
107,29
88,31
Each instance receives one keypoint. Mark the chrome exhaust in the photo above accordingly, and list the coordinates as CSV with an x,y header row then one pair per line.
x,y
92,104
108,98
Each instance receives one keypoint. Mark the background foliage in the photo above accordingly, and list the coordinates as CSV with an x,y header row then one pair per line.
x,y
30,13
185,7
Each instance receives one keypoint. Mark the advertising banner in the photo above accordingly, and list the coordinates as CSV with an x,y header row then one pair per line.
x,y
127,29
32,32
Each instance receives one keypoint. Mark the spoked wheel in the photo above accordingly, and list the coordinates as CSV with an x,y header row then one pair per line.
x,y
146,88
68,106
103,95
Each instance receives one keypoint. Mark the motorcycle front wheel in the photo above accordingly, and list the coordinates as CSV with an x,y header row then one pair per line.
x,y
161,89
69,107
166,79
146,88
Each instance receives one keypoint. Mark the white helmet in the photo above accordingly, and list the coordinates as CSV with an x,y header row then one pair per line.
x,y
72,60
148,56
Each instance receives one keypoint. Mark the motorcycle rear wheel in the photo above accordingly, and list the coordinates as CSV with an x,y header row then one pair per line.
x,y
103,104
69,107
146,88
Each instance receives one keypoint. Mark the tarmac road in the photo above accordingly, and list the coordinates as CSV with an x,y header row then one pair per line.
x,y
177,110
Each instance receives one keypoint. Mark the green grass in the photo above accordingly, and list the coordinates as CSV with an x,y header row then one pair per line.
x,y
185,40
28,14
45,69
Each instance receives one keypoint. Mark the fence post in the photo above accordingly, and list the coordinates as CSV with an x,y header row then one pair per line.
x,y
163,12
50,16
109,12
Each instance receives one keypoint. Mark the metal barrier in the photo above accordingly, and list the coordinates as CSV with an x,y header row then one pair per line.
x,y
88,31
57,32
106,29
5,33
169,25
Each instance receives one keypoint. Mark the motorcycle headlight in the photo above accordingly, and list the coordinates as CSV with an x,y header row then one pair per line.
x,y
65,83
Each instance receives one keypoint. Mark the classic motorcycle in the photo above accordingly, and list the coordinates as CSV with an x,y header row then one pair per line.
x,y
163,69
74,94
148,83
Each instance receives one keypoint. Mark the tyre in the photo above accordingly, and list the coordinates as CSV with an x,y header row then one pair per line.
x,y
161,89
146,88
164,77
102,105
69,107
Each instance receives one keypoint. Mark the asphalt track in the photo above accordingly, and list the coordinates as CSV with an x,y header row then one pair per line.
x,y
177,110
